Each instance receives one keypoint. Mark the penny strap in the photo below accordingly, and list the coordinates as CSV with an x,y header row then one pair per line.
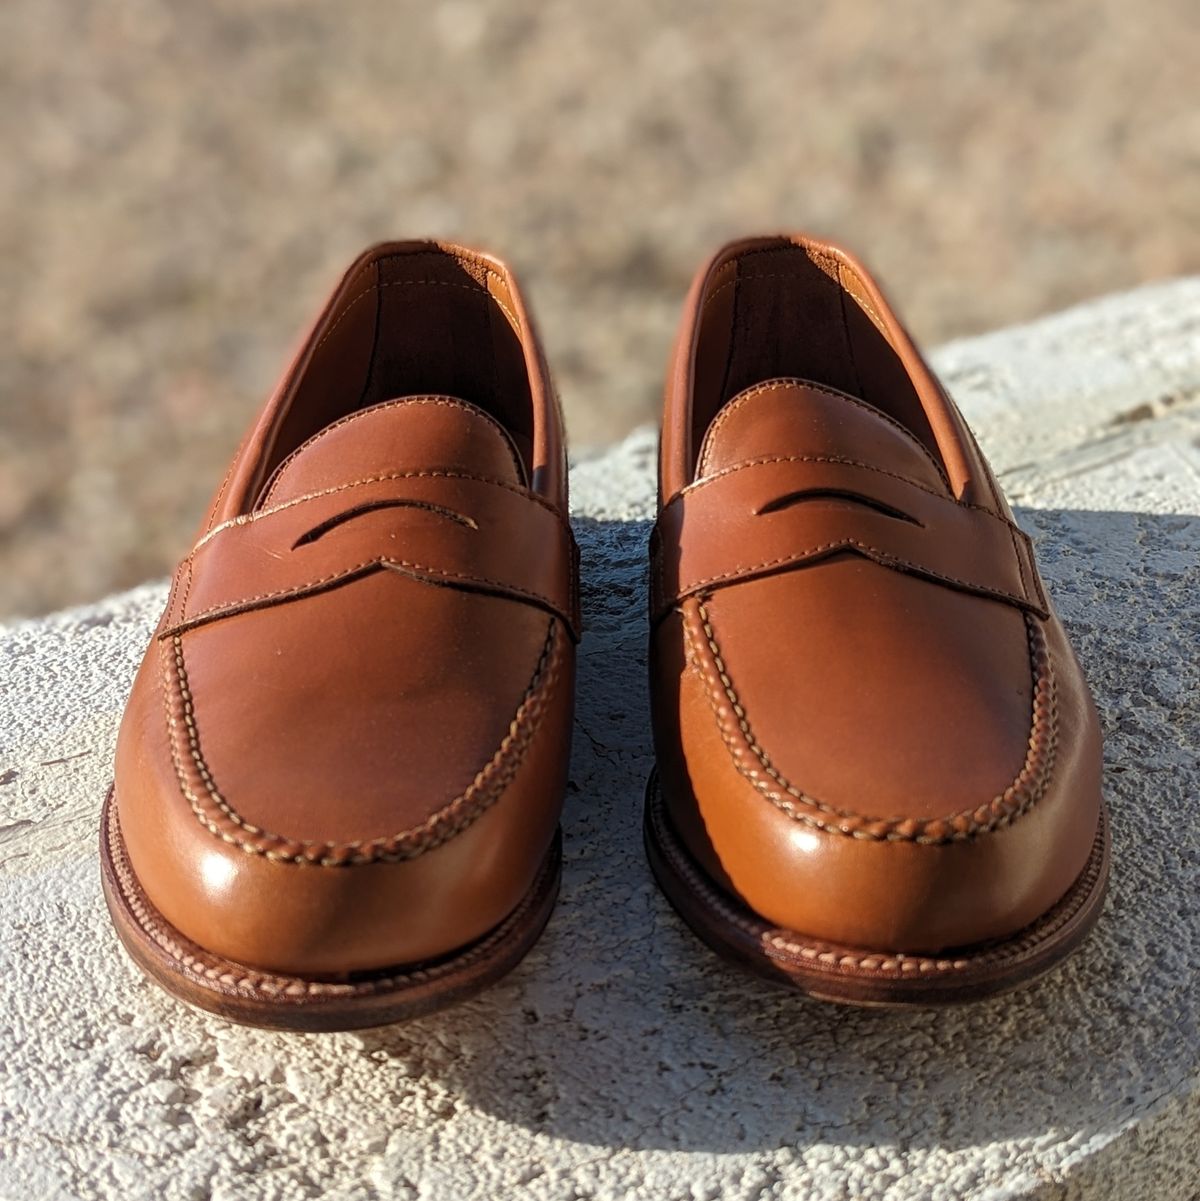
x,y
774,515
444,528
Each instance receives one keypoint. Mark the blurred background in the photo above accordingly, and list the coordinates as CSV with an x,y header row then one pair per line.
x,y
181,183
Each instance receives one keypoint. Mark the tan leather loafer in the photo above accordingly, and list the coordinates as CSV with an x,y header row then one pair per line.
x,y
878,759
339,775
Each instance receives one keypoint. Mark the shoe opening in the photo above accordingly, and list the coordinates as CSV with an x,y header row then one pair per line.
x,y
414,320
786,309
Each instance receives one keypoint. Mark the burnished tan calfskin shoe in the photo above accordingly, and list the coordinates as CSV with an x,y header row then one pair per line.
x,y
339,776
878,761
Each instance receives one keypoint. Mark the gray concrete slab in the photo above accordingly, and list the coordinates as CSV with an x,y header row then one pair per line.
x,y
622,1060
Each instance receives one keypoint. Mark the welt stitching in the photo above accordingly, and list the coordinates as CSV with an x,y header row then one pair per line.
x,y
1036,935
1026,789
448,402
517,490
792,381
819,952
446,823
268,983
833,956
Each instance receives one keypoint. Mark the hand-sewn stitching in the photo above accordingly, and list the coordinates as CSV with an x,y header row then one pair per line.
x,y
447,822
1026,789
833,956
277,987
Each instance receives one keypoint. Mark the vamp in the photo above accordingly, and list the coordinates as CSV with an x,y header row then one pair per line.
x,y
344,750
886,741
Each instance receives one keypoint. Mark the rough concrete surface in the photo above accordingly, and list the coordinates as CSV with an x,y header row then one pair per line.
x,y
621,1060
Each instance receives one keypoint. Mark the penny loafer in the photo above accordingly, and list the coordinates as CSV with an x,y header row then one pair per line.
x,y
340,771
878,762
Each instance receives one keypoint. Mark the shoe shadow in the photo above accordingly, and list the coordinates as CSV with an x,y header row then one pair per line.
x,y
621,1030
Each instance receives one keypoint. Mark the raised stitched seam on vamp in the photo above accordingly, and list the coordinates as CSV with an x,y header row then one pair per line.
x,y
215,813
1026,789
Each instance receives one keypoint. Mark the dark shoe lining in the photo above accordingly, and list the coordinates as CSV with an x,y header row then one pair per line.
x,y
788,311
414,324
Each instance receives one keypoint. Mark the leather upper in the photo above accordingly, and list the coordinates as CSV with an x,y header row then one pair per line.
x,y
870,726
346,747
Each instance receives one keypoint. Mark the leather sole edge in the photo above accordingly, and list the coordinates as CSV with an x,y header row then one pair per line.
x,y
850,975
279,1001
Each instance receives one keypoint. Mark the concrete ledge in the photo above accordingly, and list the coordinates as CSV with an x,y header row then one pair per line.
x,y
621,1060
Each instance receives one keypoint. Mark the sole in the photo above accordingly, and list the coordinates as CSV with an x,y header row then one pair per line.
x,y
279,1001
852,975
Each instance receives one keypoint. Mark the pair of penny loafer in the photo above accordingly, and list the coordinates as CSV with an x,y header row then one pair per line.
x,y
340,772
